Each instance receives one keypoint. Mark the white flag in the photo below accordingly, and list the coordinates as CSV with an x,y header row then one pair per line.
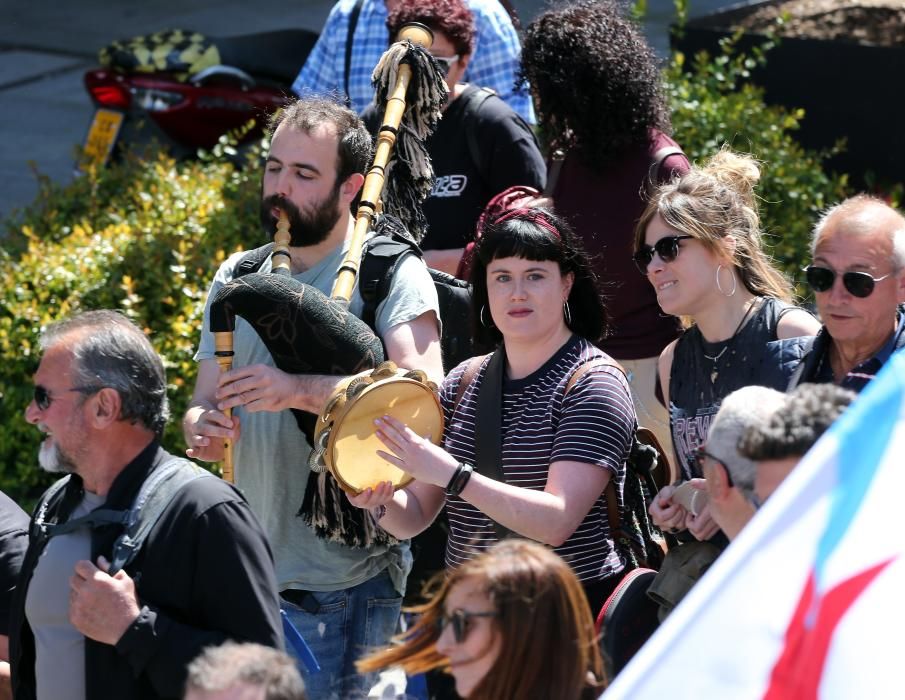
x,y
809,601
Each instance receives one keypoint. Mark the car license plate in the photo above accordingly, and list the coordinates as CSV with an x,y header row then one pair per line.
x,y
100,139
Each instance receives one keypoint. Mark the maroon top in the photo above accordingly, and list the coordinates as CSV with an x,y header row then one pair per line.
x,y
603,209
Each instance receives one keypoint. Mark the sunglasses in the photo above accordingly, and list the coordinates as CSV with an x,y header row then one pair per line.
x,y
43,399
858,284
700,454
667,248
445,63
458,619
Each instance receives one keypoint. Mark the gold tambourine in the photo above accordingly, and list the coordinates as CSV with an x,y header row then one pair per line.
x,y
345,439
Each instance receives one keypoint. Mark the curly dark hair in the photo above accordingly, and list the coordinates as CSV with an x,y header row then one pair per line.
x,y
521,236
450,17
596,80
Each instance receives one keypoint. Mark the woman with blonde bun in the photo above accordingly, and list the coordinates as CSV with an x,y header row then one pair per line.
x,y
699,244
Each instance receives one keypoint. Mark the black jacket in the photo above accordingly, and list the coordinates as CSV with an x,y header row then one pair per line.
x,y
204,575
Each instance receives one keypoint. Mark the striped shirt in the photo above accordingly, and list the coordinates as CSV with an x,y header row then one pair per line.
x,y
593,424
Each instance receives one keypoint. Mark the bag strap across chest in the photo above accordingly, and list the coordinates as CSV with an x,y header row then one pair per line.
x,y
152,499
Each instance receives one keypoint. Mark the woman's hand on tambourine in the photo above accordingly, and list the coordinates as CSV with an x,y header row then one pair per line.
x,y
379,495
667,515
256,388
415,455
206,435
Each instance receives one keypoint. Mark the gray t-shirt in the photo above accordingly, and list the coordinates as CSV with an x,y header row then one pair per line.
x,y
59,647
271,457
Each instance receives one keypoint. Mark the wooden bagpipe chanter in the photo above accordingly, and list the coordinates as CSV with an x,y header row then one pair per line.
x,y
317,334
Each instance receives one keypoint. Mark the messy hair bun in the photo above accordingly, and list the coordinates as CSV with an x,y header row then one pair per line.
x,y
716,204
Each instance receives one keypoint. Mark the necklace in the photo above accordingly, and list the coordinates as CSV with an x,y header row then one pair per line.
x,y
715,372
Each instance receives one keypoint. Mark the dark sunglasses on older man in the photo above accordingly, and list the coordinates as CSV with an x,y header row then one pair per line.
x,y
43,399
858,284
458,619
667,248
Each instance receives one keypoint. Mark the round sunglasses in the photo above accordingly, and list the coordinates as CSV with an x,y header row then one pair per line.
x,y
858,284
667,248
458,619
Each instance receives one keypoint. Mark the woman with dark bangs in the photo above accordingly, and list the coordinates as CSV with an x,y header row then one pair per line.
x,y
511,624
563,413
603,115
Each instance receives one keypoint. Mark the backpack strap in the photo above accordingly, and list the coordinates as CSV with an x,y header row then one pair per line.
x,y
381,258
612,502
489,436
252,260
656,163
587,367
468,376
154,497
554,168
347,66
40,528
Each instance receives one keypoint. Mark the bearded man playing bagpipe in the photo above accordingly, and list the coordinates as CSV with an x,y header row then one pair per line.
x,y
341,582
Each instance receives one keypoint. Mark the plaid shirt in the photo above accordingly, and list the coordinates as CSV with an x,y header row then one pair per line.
x,y
493,64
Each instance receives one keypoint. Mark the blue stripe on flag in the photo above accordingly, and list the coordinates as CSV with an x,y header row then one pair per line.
x,y
863,434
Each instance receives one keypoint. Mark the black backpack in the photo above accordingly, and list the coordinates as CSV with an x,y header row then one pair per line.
x,y
382,254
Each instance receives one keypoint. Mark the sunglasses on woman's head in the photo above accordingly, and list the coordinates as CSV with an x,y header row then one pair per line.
x,y
458,619
667,248
858,284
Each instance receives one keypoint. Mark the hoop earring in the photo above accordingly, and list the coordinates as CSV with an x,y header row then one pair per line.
x,y
567,312
481,317
720,287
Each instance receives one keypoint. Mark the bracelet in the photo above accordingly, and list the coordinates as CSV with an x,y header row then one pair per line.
x,y
459,479
378,512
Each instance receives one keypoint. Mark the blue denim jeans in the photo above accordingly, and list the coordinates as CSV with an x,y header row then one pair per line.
x,y
340,627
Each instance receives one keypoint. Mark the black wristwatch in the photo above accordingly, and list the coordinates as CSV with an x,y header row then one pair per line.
x,y
459,479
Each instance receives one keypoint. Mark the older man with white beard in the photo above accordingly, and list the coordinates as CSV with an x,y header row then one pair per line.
x,y
204,573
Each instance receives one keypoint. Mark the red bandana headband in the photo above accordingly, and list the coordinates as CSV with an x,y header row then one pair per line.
x,y
535,216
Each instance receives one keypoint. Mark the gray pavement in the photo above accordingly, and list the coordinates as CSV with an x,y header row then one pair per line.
x,y
46,46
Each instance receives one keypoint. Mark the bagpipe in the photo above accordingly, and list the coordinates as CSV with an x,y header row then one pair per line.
x,y
308,332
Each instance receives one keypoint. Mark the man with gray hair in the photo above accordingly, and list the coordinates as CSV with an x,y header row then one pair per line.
x,y
244,672
97,614
730,476
776,445
858,278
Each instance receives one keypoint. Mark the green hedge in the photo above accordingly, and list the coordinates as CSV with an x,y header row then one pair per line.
x,y
144,236
713,105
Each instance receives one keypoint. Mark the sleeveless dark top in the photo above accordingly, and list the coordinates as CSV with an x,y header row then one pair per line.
x,y
697,385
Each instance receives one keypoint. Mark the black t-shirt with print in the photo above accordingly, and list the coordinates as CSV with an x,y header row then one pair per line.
x,y
461,187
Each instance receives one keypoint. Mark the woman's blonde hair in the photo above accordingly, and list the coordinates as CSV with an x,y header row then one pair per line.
x,y
714,204
548,645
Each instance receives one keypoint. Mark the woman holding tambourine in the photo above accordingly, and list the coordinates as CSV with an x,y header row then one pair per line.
x,y
555,414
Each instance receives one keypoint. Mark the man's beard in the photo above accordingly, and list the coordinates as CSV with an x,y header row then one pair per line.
x,y
53,460
305,229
